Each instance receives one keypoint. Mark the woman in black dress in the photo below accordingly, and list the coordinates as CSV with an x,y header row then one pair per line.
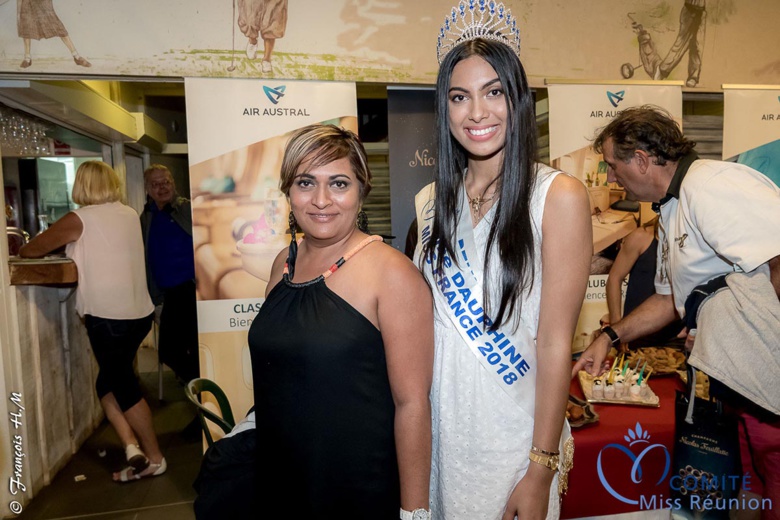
x,y
342,352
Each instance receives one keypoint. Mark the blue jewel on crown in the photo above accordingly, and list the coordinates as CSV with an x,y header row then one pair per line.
x,y
486,19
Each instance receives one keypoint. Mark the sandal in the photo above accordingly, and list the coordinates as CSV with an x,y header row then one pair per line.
x,y
136,458
81,61
153,470
26,63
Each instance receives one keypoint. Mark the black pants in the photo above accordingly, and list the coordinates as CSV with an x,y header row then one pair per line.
x,y
115,343
179,331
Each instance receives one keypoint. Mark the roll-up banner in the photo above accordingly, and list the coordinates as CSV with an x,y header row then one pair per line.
x,y
576,114
751,127
237,130
411,130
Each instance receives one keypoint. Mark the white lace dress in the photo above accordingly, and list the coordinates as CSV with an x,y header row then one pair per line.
x,y
481,438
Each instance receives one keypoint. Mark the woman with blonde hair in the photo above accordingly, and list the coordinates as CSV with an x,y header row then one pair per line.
x,y
103,238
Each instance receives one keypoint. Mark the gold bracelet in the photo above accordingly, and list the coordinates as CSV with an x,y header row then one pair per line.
x,y
544,452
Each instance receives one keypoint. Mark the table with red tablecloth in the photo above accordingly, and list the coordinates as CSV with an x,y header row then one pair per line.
x,y
620,462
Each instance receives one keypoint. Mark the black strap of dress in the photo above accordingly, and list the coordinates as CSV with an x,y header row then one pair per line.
x,y
289,265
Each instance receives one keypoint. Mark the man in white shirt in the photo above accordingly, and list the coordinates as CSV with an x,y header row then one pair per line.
x,y
716,218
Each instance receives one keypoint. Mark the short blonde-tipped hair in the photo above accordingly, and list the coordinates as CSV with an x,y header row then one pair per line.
x,y
319,145
96,183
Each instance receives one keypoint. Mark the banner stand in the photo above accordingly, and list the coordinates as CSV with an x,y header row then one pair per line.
x,y
577,112
751,127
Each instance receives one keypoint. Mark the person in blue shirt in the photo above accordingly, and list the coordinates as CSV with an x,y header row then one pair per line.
x,y
166,222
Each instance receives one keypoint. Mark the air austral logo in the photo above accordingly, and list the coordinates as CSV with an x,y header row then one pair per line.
x,y
275,95
615,97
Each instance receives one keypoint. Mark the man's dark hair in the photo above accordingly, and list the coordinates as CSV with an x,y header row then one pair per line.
x,y
649,128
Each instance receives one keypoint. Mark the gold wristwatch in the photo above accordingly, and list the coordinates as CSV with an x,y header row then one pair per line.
x,y
548,461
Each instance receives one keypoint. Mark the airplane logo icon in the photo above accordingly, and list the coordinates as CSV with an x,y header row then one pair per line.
x,y
615,97
273,94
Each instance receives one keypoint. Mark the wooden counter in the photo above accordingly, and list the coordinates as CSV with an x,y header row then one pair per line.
x,y
53,366
55,271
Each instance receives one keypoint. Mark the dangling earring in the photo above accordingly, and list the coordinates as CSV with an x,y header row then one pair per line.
x,y
293,251
362,221
293,225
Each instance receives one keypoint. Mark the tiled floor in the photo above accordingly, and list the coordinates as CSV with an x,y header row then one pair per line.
x,y
97,497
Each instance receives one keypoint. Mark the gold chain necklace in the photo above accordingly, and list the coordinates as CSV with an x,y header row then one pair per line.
x,y
480,200
477,202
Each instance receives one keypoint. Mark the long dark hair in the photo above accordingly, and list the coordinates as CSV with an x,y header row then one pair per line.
x,y
512,229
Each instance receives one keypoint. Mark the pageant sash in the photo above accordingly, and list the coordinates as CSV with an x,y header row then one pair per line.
x,y
508,356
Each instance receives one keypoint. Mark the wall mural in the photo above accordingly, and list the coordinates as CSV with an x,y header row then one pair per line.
x,y
690,38
694,41
36,20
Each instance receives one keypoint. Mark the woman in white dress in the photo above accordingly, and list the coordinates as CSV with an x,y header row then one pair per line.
x,y
506,244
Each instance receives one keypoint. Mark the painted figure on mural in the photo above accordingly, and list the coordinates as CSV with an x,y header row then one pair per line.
x,y
266,19
690,39
36,20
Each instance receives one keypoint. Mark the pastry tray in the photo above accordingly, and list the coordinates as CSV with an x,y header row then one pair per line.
x,y
589,416
586,382
665,361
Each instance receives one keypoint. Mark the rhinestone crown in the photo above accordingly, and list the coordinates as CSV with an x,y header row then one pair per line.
x,y
472,19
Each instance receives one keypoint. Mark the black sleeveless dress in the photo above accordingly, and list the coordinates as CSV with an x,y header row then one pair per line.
x,y
641,286
324,410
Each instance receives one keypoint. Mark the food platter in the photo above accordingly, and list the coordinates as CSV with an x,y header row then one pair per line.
x,y
646,398
579,413
702,383
664,360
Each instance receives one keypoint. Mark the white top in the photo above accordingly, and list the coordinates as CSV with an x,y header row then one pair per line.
x,y
727,219
481,437
109,256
